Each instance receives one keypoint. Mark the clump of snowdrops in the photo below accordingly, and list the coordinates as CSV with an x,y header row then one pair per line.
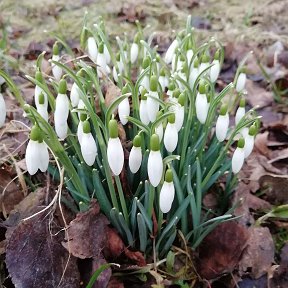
x,y
178,138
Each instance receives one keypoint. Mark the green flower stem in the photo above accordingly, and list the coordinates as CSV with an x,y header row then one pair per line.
x,y
122,198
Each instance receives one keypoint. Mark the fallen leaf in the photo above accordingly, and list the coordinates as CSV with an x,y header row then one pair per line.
x,y
115,283
112,92
131,12
220,251
261,141
259,253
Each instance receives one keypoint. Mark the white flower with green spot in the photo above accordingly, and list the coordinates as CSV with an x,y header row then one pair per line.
x,y
201,103
56,70
222,123
167,193
135,156
240,113
124,107
215,69
41,108
241,81
92,49
171,134
238,156
152,103
249,141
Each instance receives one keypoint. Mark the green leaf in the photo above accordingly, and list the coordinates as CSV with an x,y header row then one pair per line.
x,y
96,274
142,232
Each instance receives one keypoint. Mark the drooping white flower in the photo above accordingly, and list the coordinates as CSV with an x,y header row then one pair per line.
x,y
107,55
2,110
249,141
240,113
163,80
194,72
124,108
88,145
152,103
179,112
159,130
41,109
167,193
102,67
155,162
214,71
143,109
238,156
204,63
75,95
80,106
115,153
92,49
170,52
189,55
134,52
135,156
38,91
80,131
222,124
241,81
36,155
56,70
171,134
201,104
120,67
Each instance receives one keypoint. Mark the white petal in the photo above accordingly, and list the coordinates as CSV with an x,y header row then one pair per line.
x,y
193,76
249,145
189,55
80,131
166,197
159,131
238,160
115,155
244,132
222,125
43,111
155,167
62,107
145,83
75,95
134,52
240,85
80,106
115,74
32,157
201,107
143,112
56,70
162,81
240,113
88,148
170,52
2,110
152,106
38,91
107,55
170,137
43,156
202,67
61,128
124,110
214,71
135,159
179,116
102,68
92,49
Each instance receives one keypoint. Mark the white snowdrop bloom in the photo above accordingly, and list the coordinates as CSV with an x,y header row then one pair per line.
x,y
222,124
194,72
171,134
124,110
134,52
201,104
240,113
43,111
189,55
152,103
120,68
135,156
249,141
179,112
241,81
92,49
102,68
170,52
162,81
244,132
80,106
61,128
159,130
204,63
88,145
36,155
107,55
38,91
214,71
238,156
2,110
56,70
155,162
75,95
167,193
145,83
80,131
115,153
143,109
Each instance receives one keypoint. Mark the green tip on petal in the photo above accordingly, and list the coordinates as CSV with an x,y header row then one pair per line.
x,y
202,87
41,98
26,108
241,143
181,99
38,76
143,94
118,57
171,86
137,38
176,93
223,109
125,89
62,86
196,63
169,176
155,143
36,134
55,49
243,69
146,62
86,127
83,117
153,83
113,128
171,118
137,141
125,47
205,58
162,72
217,55
101,48
252,130
182,58
209,97
80,73
242,102
158,58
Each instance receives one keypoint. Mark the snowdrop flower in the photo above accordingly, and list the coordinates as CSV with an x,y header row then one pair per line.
x,y
152,103
92,49
107,55
215,69
240,113
135,156
163,80
2,110
222,123
179,112
75,91
83,118
249,141
115,153
145,83
56,70
238,156
174,98
38,91
103,68
36,156
155,162
88,145
171,51
194,73
167,192
143,109
171,134
120,67
159,128
80,106
41,109
241,81
135,48
61,111
204,63
124,107
189,52
201,103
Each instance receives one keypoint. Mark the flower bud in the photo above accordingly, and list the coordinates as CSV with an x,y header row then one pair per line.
x,y
249,141
143,111
167,193
238,156
240,113
135,156
241,81
170,52
92,49
88,144
56,70
171,134
222,123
